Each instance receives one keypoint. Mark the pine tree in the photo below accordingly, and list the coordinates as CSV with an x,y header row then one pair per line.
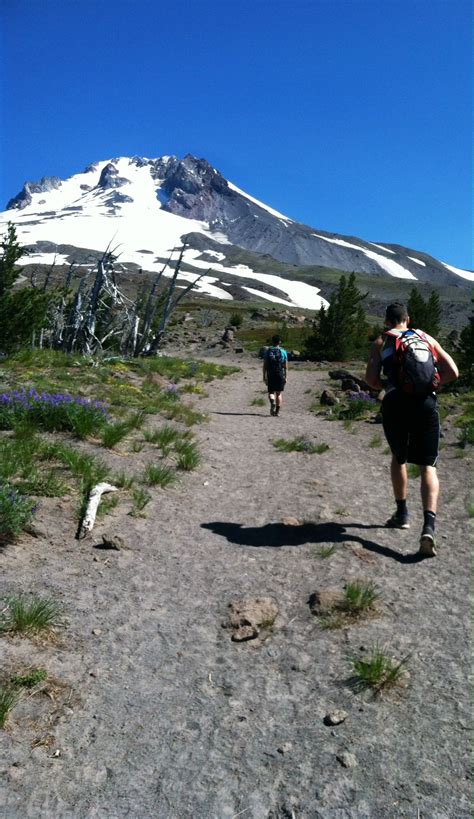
x,y
23,310
341,331
433,315
467,352
417,309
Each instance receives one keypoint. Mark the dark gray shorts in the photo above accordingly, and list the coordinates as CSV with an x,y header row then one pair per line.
x,y
411,427
275,383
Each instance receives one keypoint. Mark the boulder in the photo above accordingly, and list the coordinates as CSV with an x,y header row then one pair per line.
x,y
328,398
350,384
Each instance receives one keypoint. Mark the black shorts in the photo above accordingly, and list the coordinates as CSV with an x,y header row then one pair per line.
x,y
275,383
411,427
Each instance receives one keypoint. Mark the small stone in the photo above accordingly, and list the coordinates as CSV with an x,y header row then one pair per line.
x,y
347,759
56,753
335,717
285,748
96,631
245,633
289,521
112,541
324,600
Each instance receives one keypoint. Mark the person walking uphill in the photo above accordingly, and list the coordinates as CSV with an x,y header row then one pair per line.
x,y
275,373
414,365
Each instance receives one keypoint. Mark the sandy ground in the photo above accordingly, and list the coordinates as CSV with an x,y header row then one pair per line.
x,y
155,712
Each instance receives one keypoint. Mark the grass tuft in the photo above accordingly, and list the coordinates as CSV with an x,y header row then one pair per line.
x,y
326,551
29,616
29,678
140,499
188,455
359,596
159,476
299,444
377,670
8,699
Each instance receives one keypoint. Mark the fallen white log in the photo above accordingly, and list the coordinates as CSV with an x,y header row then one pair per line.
x,y
92,505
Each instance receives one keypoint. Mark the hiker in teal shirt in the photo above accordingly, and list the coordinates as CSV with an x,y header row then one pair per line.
x,y
275,373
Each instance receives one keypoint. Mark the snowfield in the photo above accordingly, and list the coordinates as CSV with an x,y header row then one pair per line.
x,y
96,223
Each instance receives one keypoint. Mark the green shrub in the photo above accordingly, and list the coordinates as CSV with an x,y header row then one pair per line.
x,y
16,512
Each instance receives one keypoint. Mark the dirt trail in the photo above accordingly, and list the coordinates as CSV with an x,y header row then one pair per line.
x,y
168,718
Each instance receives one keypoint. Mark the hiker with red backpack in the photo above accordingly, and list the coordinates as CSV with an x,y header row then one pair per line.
x,y
275,373
414,365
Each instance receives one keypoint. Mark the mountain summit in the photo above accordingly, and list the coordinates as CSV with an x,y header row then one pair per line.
x,y
146,207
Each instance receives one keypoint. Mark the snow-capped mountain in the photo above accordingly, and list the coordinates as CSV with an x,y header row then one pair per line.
x,y
145,207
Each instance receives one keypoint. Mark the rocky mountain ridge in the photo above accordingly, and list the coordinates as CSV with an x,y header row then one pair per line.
x,y
151,205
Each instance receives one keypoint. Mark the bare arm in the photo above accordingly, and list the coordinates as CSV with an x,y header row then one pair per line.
x,y
372,373
265,371
447,367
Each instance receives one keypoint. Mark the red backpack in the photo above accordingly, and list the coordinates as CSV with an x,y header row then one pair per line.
x,y
415,362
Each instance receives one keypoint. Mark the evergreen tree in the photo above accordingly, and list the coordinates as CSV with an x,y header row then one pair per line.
x,y
23,310
433,315
467,352
417,310
341,331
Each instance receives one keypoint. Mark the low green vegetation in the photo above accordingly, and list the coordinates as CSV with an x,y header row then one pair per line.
x,y
258,402
98,400
16,512
326,551
30,678
377,670
300,444
140,498
159,475
357,602
188,457
29,615
359,597
8,699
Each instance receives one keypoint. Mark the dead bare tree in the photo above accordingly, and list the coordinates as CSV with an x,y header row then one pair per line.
x,y
99,315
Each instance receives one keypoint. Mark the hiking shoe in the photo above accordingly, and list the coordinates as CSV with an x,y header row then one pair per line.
x,y
398,521
272,408
277,411
427,542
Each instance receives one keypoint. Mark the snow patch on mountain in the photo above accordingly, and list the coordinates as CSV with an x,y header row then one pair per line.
x,y
260,204
465,274
299,293
381,247
388,265
417,261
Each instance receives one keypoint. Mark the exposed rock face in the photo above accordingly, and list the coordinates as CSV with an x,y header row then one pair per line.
x,y
193,189
23,199
110,178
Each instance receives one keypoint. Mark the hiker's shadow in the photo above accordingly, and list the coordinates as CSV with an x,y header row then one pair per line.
x,y
276,535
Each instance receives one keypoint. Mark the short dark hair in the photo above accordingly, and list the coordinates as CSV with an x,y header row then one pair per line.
x,y
276,340
396,313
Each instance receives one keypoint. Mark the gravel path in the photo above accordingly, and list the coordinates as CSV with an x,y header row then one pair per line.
x,y
157,713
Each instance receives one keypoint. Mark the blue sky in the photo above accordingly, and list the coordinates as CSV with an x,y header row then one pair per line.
x,y
353,116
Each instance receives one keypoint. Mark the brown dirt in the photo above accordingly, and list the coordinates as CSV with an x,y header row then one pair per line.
x,y
165,716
